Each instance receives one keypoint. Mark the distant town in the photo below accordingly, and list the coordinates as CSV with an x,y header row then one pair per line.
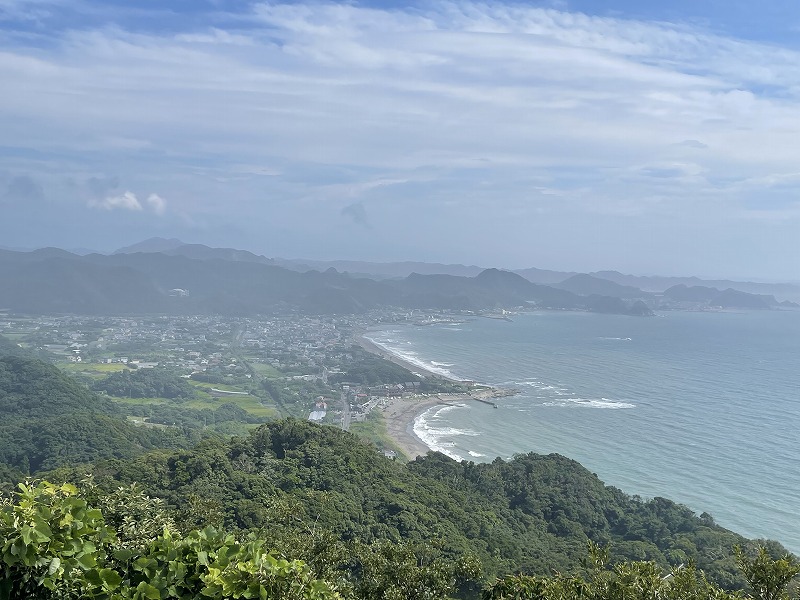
x,y
292,365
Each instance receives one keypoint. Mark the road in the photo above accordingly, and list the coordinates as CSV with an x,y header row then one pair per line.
x,y
345,411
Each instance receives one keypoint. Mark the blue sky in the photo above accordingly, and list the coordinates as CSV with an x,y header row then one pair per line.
x,y
576,135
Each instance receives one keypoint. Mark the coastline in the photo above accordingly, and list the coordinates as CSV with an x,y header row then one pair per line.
x,y
385,354
400,414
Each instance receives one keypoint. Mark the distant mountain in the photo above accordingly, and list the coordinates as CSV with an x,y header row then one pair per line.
x,y
684,293
48,282
495,288
201,252
82,251
514,284
372,270
543,275
790,291
399,270
713,297
155,244
381,270
35,255
588,284
175,247
71,284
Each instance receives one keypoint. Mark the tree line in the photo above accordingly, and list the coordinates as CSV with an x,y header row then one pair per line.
x,y
69,542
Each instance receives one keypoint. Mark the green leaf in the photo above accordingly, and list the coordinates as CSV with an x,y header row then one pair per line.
x,y
55,563
69,488
94,514
27,534
93,577
123,555
111,579
87,561
148,591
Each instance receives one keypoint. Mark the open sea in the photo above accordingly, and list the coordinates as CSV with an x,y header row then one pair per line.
x,y
701,408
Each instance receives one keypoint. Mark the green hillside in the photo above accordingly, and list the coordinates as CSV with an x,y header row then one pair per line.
x,y
533,514
64,542
51,420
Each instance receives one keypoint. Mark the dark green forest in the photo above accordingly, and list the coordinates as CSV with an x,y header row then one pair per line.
x,y
533,514
66,541
372,370
145,383
102,538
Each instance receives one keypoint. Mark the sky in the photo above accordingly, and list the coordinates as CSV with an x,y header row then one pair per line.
x,y
650,138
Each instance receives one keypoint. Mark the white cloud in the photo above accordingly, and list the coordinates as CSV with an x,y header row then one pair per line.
x,y
157,203
126,201
129,201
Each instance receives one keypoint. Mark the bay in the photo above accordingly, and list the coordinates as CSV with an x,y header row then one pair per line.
x,y
701,408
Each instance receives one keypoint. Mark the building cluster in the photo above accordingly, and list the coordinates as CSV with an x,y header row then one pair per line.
x,y
297,354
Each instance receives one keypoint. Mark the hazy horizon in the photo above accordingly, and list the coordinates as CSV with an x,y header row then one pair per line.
x,y
300,259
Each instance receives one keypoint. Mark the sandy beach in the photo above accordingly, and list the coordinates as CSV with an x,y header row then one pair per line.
x,y
400,413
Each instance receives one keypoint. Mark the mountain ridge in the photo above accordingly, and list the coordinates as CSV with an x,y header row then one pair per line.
x,y
221,283
402,269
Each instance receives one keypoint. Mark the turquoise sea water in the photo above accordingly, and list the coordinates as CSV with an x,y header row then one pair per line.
x,y
702,408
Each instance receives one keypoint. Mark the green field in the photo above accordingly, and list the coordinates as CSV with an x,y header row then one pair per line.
x,y
225,387
96,370
248,403
204,401
265,370
142,400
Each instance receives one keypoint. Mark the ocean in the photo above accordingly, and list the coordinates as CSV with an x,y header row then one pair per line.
x,y
701,408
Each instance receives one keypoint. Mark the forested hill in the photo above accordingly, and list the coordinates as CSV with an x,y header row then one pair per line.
x,y
9,348
49,419
533,514
52,281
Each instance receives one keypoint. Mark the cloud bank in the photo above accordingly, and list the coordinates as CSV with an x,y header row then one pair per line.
x,y
530,124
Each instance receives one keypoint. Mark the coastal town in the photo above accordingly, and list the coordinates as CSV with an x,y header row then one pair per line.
x,y
322,369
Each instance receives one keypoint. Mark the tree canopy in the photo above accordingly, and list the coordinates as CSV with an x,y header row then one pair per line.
x,y
528,515
66,541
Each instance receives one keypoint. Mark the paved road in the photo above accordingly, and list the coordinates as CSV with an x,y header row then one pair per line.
x,y
345,412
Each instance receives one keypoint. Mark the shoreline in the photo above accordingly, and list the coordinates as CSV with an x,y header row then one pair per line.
x,y
399,417
400,414
385,354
